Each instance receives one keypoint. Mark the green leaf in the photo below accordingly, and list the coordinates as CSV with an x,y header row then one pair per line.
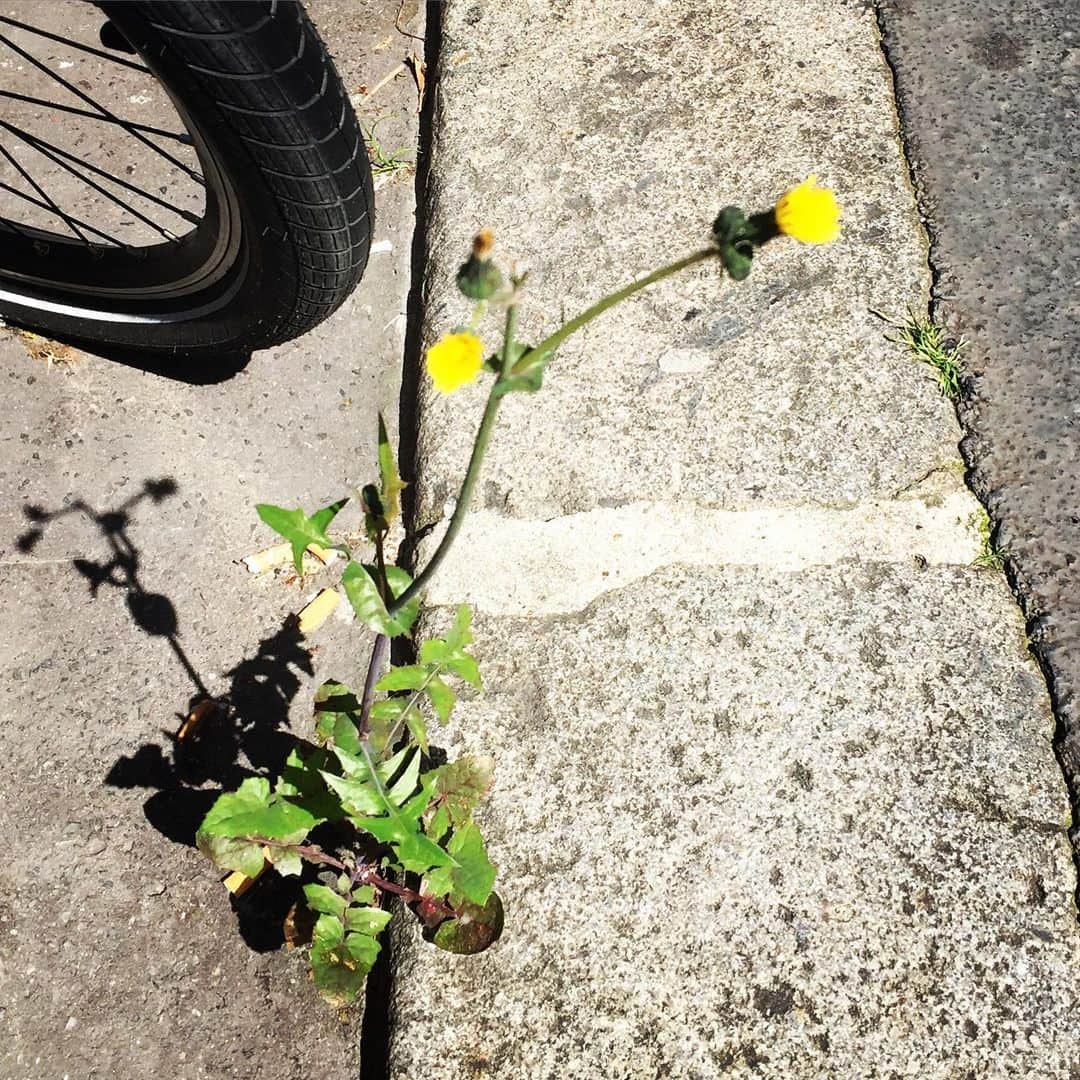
x,y
472,877
329,931
439,825
286,861
392,484
458,636
410,677
388,813
363,949
464,667
253,811
231,853
301,783
367,920
337,716
299,529
474,930
461,784
362,592
320,898
417,725
442,698
340,962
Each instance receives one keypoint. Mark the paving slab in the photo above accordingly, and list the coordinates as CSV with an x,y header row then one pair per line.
x,y
776,792
990,107
120,953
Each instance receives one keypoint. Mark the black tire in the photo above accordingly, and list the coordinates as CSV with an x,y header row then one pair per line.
x,y
289,194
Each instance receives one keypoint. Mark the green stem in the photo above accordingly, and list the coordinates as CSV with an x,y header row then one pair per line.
x,y
487,421
552,342
472,474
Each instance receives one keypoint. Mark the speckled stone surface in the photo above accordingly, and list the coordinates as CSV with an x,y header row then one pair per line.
x,y
749,821
991,107
598,146
792,825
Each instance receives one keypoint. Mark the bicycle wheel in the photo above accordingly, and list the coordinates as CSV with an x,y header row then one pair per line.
x,y
244,228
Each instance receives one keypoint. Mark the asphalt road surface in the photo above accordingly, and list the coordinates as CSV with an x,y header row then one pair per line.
x,y
990,104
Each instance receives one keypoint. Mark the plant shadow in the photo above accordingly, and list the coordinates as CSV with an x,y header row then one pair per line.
x,y
218,741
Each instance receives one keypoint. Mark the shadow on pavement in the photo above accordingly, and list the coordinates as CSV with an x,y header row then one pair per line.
x,y
197,370
239,734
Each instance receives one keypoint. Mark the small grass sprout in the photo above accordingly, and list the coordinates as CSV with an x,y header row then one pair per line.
x,y
927,343
383,163
990,557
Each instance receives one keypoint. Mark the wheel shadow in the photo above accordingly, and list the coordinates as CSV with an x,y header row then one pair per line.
x,y
197,369
217,741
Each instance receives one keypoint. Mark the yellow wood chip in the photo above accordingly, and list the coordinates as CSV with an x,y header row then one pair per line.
x,y
238,883
280,554
319,610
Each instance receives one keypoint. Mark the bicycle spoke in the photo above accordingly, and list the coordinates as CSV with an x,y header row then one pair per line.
x,y
126,125
41,191
74,44
100,190
132,124
44,145
45,206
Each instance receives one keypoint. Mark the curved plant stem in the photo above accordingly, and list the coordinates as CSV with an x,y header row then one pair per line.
x,y
491,410
553,341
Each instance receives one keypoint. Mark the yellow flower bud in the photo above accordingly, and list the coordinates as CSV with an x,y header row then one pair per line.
x,y
455,360
809,213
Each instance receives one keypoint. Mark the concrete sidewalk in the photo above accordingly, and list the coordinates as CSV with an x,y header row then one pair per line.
x,y
776,793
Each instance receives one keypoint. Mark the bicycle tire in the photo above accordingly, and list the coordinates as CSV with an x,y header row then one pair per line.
x,y
275,131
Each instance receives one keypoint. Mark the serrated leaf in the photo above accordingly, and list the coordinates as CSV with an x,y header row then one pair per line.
x,y
392,484
363,894
252,810
299,529
301,783
461,784
442,698
408,677
337,716
340,962
231,853
474,930
417,725
320,898
474,874
389,813
362,592
464,667
459,635
366,920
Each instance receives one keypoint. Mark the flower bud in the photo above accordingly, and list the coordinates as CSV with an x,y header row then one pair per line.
x,y
478,277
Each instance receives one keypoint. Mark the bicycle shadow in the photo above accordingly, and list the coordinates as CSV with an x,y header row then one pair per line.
x,y
240,733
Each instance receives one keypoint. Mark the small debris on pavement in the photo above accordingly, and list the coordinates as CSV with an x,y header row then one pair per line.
x,y
197,715
279,554
238,883
319,610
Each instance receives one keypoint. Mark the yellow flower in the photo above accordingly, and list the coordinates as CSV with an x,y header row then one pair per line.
x,y
455,360
809,213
